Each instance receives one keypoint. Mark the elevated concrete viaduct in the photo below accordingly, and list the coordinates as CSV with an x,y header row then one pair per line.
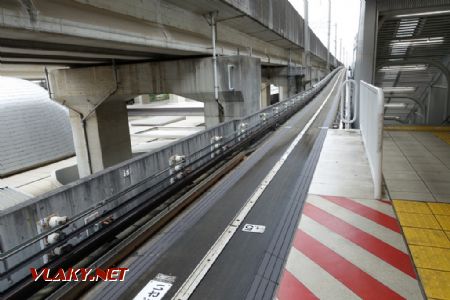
x,y
81,32
117,50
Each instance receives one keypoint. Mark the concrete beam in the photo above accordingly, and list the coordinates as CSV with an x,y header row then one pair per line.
x,y
149,29
238,78
289,79
98,95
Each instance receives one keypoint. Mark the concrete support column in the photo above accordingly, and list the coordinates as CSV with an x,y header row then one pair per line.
x,y
292,86
283,92
176,99
307,79
103,139
313,76
290,79
142,99
239,79
265,94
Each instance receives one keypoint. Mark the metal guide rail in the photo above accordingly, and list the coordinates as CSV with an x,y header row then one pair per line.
x,y
68,236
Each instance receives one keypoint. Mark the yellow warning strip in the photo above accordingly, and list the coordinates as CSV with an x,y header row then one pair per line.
x,y
426,226
417,128
445,136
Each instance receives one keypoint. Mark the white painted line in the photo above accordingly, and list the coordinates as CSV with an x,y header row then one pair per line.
x,y
254,228
205,264
156,288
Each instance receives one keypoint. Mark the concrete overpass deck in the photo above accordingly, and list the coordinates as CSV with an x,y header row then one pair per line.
x,y
83,32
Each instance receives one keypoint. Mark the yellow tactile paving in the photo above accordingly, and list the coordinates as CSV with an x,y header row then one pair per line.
x,y
417,128
436,283
431,257
426,237
418,220
426,227
440,208
412,207
444,221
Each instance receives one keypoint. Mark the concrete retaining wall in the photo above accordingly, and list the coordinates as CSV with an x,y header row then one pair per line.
x,y
20,223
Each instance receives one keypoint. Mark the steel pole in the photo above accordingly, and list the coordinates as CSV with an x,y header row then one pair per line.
x,y
329,32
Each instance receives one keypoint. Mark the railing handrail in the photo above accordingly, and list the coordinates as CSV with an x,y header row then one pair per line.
x,y
343,100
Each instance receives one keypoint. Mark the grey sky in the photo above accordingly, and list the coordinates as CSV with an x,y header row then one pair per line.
x,y
343,12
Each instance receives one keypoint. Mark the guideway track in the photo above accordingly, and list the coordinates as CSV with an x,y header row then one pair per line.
x,y
26,288
181,246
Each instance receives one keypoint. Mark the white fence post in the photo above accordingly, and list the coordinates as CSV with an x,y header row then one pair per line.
x,y
371,100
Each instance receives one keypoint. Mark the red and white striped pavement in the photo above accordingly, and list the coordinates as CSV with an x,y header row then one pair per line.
x,y
348,249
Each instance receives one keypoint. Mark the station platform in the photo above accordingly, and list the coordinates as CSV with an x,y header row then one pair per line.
x,y
350,246
347,245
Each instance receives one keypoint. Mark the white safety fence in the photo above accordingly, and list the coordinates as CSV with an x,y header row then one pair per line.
x,y
371,123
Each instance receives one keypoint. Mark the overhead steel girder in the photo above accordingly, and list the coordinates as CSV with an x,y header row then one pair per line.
x,y
437,64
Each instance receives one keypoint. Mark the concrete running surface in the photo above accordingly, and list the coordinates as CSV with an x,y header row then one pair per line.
x,y
251,263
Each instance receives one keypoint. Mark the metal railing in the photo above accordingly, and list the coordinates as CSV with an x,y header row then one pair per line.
x,y
348,94
371,113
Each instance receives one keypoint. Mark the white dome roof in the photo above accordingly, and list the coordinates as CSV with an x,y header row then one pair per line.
x,y
34,129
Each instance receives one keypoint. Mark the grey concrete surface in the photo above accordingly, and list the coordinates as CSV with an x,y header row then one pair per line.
x,y
416,166
95,31
103,140
10,196
343,169
156,121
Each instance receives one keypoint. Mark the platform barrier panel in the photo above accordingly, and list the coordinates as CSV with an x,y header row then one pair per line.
x,y
371,111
